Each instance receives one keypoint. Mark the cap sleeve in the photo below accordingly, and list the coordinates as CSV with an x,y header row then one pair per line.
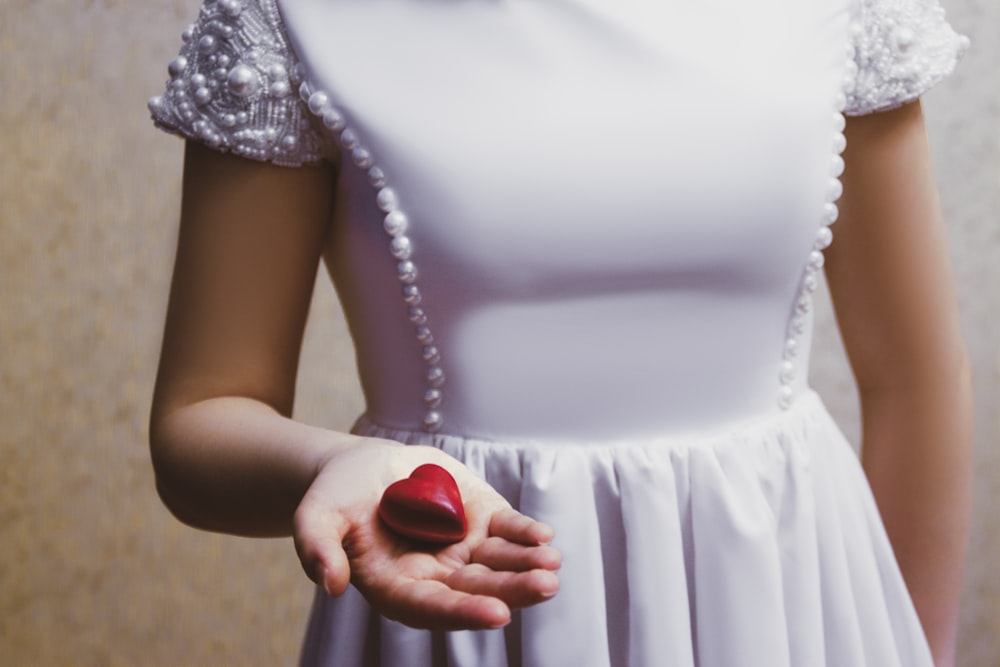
x,y
234,86
901,48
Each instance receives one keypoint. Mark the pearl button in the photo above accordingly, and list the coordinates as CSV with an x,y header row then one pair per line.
x,y
400,247
407,271
432,421
435,377
417,315
386,199
318,101
432,398
395,222
332,119
830,213
411,294
376,177
836,166
824,237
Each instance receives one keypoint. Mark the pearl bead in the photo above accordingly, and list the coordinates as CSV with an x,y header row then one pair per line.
x,y
431,354
824,237
318,102
834,189
791,348
816,260
406,271
203,95
400,247
830,213
432,398
810,283
417,315
188,34
280,89
839,122
386,199
290,142
376,177
411,294
207,44
332,119
803,305
395,222
435,376
177,66
231,7
361,157
222,60
242,81
424,335
836,166
785,396
787,373
242,118
798,324
839,142
348,139
432,421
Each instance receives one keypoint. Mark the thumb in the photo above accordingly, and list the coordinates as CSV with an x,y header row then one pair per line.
x,y
319,534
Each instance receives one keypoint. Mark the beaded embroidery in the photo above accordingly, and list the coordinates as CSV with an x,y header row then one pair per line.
x,y
902,48
233,86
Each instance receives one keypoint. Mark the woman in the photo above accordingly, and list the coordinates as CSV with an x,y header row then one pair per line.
x,y
575,243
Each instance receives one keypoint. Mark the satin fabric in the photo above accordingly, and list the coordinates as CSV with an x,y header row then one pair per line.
x,y
610,207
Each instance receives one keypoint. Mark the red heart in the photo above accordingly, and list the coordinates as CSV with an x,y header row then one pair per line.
x,y
425,506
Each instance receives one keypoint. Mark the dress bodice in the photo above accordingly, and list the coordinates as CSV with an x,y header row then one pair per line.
x,y
602,222
593,249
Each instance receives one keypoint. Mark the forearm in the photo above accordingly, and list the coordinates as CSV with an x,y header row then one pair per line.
x,y
236,465
917,447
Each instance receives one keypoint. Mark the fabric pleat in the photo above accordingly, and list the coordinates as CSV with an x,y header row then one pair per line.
x,y
761,545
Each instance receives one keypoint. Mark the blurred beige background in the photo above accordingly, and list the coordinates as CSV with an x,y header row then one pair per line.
x,y
93,570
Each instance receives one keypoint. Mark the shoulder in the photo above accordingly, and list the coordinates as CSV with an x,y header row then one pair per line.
x,y
233,86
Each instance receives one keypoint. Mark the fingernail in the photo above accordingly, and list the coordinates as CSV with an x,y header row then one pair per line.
x,y
324,574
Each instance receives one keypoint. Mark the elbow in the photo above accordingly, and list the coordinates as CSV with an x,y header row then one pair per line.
x,y
172,485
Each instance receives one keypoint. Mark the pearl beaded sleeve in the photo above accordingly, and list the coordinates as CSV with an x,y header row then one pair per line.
x,y
902,48
233,86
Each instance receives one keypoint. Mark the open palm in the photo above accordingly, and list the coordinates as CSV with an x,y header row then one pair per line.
x,y
502,563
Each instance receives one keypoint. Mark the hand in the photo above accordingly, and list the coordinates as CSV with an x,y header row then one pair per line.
x,y
503,563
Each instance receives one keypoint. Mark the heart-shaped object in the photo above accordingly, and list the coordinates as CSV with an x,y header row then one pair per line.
x,y
425,506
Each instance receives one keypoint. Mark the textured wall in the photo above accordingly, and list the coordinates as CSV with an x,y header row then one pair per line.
x,y
92,569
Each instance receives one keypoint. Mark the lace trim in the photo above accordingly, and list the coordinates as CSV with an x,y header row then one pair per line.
x,y
233,86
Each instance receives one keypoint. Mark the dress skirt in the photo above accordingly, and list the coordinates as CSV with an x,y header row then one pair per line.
x,y
757,546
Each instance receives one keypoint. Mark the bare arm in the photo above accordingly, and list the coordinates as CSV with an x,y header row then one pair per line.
x,y
892,287
228,457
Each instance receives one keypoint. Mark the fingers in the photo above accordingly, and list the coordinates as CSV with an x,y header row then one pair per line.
x,y
516,589
499,554
318,535
513,526
434,605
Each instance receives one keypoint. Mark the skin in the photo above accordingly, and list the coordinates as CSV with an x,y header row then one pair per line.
x,y
228,457
892,288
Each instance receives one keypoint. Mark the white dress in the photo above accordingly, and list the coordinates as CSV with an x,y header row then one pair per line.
x,y
575,241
